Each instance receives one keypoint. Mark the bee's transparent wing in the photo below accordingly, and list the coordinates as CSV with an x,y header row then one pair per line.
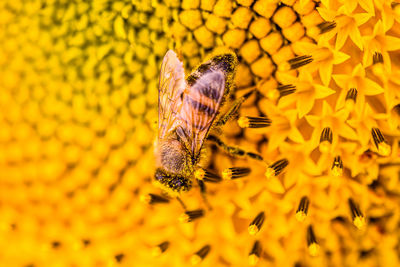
x,y
170,88
199,108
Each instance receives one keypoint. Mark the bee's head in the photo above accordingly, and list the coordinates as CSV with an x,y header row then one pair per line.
x,y
172,182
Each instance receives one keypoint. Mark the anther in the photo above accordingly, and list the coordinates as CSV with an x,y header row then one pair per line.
x,y
255,253
325,140
302,210
313,247
286,89
295,63
200,255
337,166
276,168
254,122
235,173
396,8
256,224
191,215
377,58
351,98
119,257
356,214
383,147
160,248
326,26
206,176
153,199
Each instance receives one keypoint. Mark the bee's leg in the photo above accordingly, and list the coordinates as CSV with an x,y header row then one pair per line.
x,y
181,202
203,193
233,150
233,110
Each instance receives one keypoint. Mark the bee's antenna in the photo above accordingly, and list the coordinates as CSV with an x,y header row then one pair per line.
x,y
181,202
203,193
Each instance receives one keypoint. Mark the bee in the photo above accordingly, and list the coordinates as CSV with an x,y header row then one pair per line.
x,y
187,110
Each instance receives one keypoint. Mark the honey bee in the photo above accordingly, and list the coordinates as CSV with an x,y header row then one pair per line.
x,y
187,110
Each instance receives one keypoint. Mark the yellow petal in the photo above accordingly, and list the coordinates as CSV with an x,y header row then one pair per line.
x,y
347,132
305,103
392,43
322,91
340,57
371,87
355,36
367,5
325,71
295,135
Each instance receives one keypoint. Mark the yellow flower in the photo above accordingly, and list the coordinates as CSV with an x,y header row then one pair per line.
x,y
306,92
382,43
359,81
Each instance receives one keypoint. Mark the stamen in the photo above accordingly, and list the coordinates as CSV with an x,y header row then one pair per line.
x,y
189,216
337,166
302,210
160,248
276,168
377,58
396,109
286,89
254,122
351,98
255,253
356,214
204,175
200,255
119,257
235,173
313,247
325,140
295,63
153,199
396,8
256,224
383,147
326,26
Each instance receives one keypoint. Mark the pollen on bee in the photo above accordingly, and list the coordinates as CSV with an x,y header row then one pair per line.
x,y
254,122
276,168
256,224
255,253
383,147
295,63
189,216
356,214
160,248
302,210
153,199
235,173
337,166
286,89
351,98
325,140
200,255
313,247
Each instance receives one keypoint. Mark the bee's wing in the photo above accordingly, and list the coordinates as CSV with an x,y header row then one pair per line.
x,y
199,108
170,88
